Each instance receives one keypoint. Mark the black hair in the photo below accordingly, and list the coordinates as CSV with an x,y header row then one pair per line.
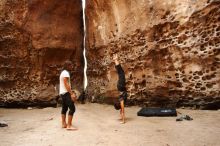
x,y
67,64
117,105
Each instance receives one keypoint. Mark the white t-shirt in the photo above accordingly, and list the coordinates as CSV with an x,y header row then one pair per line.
x,y
63,74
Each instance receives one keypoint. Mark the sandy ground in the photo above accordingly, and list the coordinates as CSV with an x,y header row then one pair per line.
x,y
99,126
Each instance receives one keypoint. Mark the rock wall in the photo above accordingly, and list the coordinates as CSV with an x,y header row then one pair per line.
x,y
36,37
170,51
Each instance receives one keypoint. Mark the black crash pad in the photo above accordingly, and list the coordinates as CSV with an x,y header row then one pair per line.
x,y
160,112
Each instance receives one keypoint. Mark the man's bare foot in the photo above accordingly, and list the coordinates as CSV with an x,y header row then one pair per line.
x,y
123,122
71,128
64,125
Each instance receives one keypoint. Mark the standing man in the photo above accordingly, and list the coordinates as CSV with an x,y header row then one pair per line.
x,y
121,87
68,97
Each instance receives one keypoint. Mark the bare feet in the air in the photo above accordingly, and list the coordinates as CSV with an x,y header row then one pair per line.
x,y
115,58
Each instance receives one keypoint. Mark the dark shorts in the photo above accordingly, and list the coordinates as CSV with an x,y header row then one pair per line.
x,y
123,96
67,103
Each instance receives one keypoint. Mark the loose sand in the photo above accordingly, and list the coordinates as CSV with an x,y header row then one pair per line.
x,y
99,125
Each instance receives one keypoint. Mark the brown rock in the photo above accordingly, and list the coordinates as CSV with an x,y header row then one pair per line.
x,y
36,37
169,50
155,40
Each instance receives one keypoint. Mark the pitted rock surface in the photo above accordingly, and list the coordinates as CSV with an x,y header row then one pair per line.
x,y
169,50
36,38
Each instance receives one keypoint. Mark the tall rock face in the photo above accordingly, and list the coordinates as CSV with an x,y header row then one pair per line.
x,y
36,38
170,51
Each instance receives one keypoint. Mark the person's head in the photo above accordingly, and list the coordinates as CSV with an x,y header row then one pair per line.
x,y
117,105
67,65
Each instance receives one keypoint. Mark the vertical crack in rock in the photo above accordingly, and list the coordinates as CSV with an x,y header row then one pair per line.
x,y
169,50
84,46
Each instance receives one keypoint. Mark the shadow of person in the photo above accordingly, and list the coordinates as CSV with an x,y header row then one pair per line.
x,y
128,119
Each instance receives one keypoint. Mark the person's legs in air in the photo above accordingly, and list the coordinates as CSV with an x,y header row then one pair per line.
x,y
121,87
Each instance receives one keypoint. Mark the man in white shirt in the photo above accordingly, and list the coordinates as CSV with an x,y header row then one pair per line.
x,y
68,97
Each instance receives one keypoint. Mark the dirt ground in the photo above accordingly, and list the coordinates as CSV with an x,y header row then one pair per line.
x,y
98,125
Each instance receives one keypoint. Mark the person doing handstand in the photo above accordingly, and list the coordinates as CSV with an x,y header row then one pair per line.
x,y
121,86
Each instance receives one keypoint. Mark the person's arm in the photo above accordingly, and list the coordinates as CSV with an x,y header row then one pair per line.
x,y
68,88
122,112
